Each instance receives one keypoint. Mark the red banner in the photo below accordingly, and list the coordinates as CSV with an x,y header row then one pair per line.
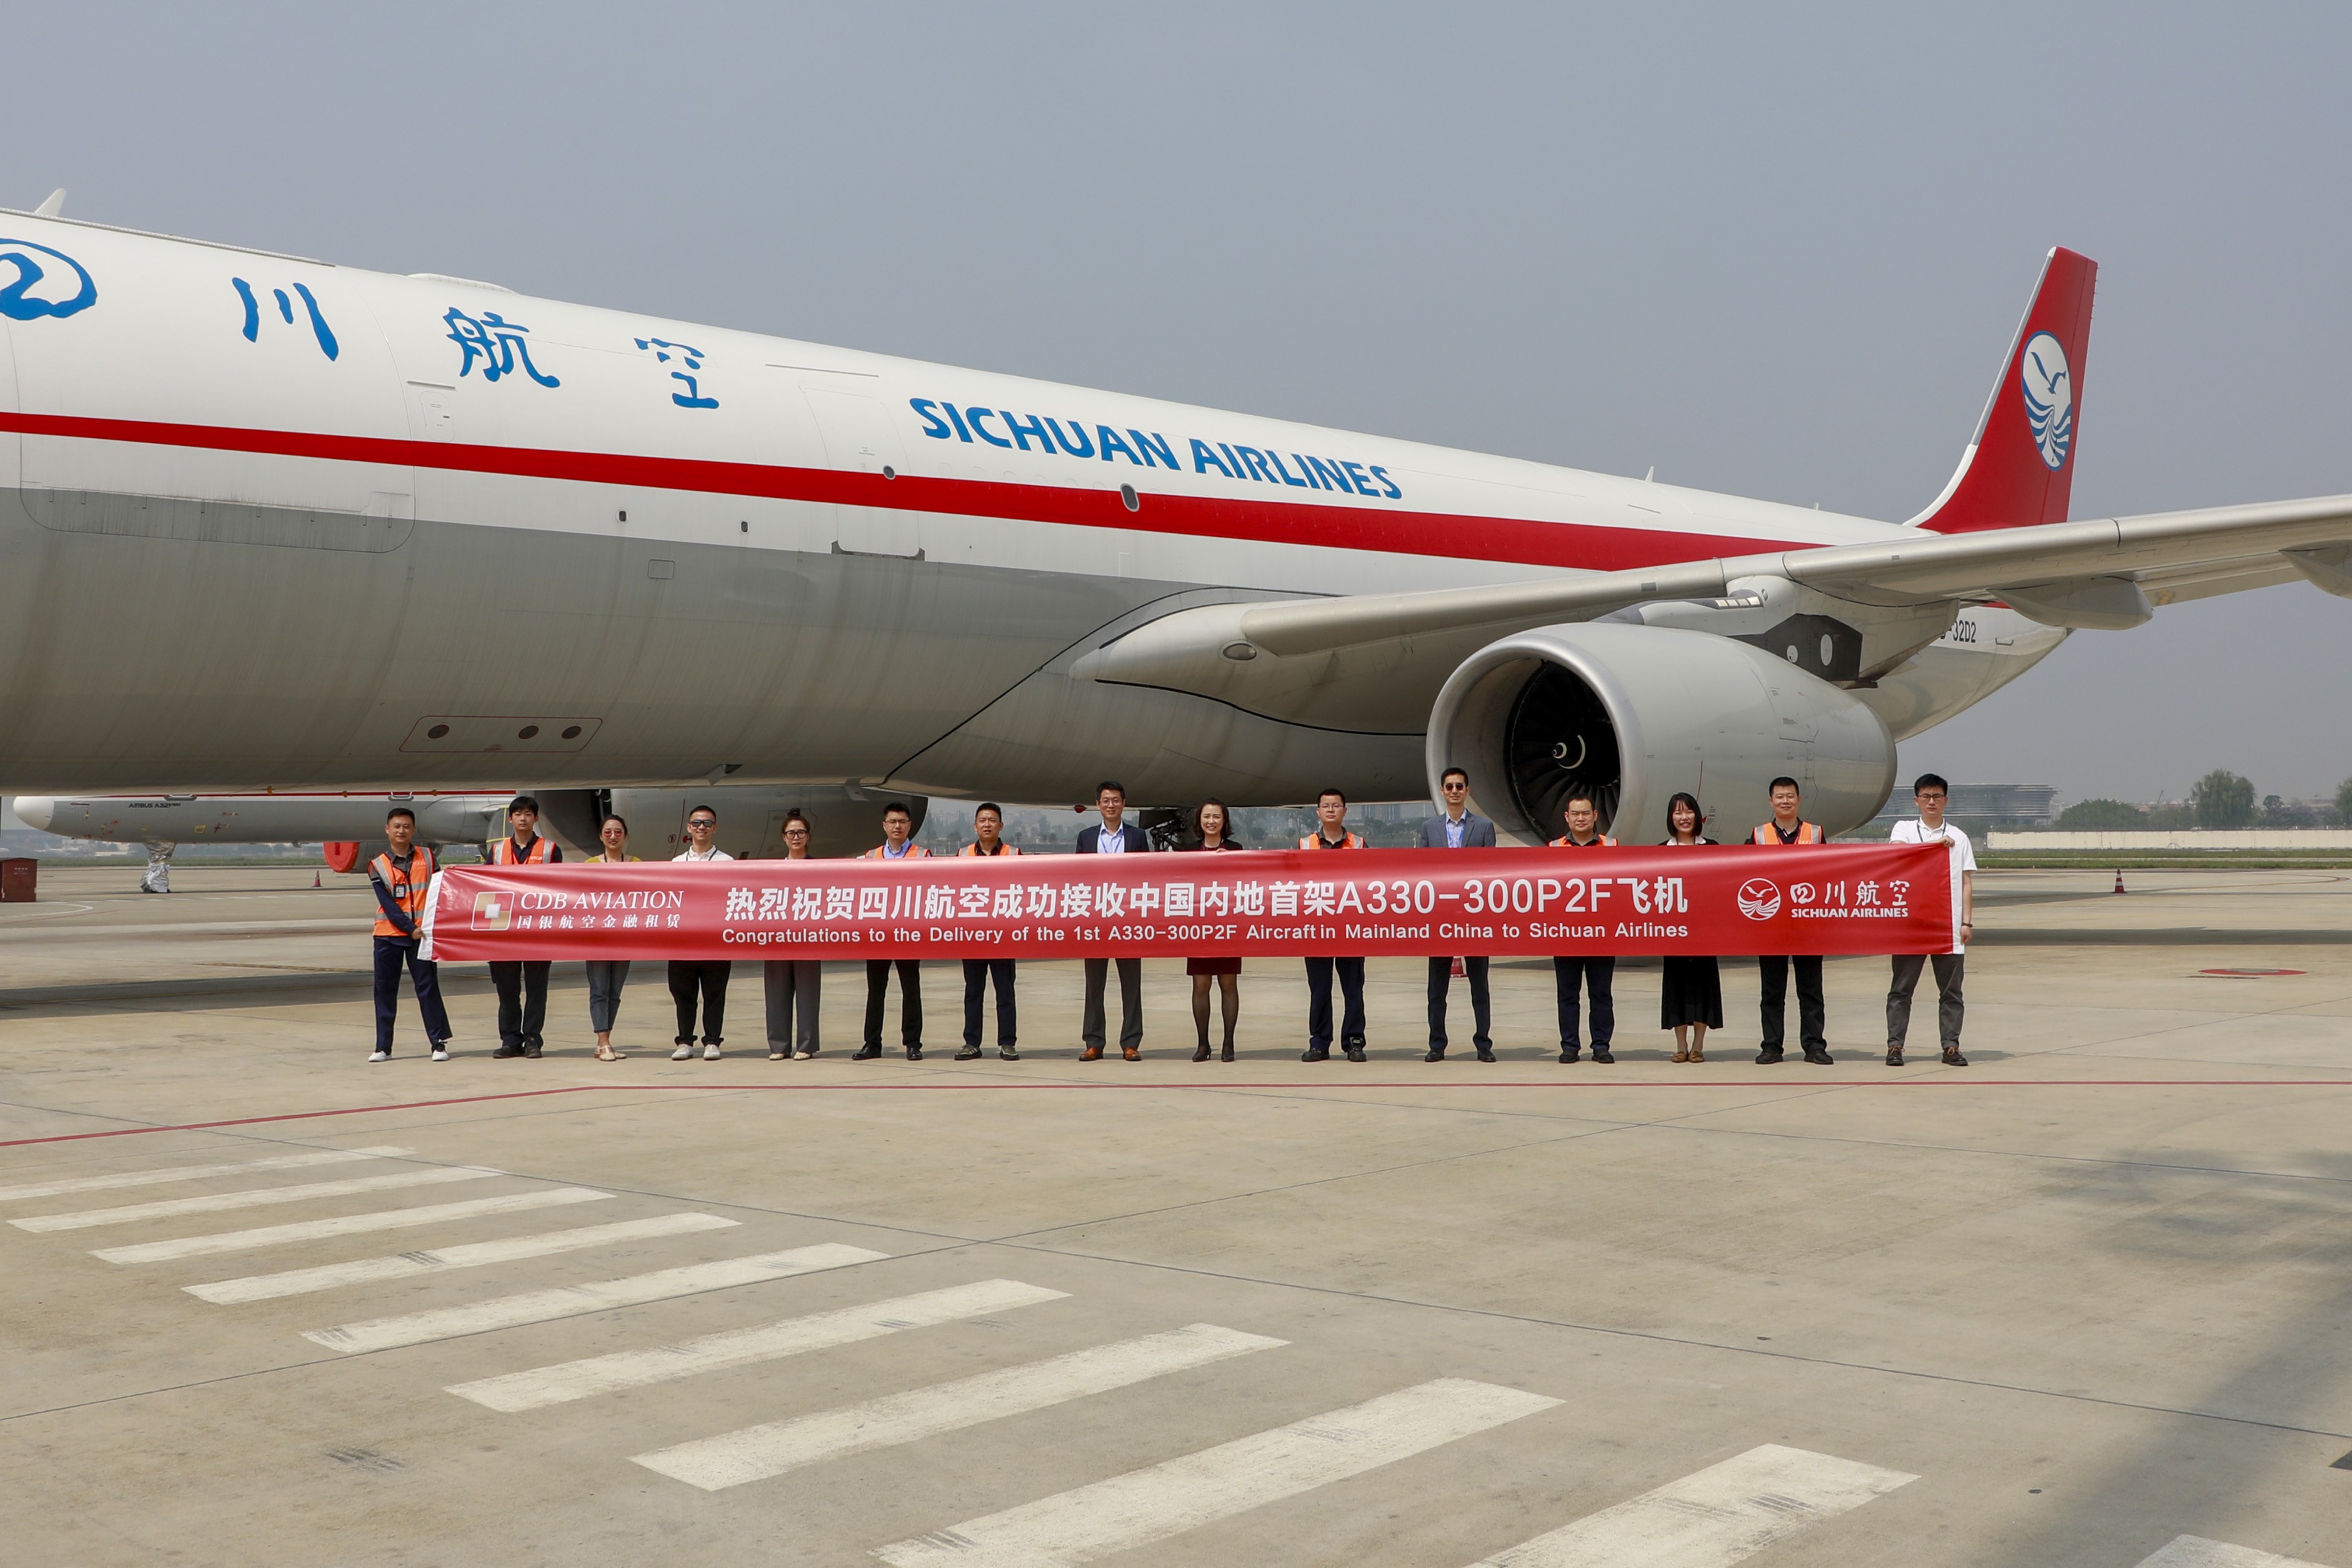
x,y
1731,900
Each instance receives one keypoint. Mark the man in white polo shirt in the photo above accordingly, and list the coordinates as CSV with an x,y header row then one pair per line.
x,y
1930,794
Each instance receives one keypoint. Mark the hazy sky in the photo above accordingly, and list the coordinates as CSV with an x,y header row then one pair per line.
x,y
1772,250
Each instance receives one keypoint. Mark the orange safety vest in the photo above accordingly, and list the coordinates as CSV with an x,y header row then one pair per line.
x,y
502,851
1001,848
1315,841
1806,834
1603,842
409,885
914,852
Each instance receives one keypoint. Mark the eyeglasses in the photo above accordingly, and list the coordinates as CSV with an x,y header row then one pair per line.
x,y
702,822
1453,788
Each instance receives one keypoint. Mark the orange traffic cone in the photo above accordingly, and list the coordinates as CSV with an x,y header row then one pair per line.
x,y
315,883
2119,878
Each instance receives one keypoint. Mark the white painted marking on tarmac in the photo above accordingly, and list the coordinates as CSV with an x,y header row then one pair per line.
x,y
1167,1499
344,1224
254,1197
573,1300
756,1452
473,1254
571,1379
1712,1519
191,1173
2196,1552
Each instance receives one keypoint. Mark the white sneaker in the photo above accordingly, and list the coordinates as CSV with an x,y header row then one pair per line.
x,y
683,1054
381,1056
441,1053
710,1053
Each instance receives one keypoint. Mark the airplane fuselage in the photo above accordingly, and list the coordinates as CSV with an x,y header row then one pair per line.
x,y
267,521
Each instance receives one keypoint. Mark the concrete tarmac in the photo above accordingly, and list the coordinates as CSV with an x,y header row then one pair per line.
x,y
2069,1305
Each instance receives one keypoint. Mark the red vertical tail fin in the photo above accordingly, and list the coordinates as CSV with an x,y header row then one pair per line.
x,y
2019,470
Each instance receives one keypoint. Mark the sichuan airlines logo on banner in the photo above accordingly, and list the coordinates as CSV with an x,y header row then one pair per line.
x,y
2049,398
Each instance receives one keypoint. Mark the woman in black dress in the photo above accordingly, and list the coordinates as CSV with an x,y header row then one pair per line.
x,y
1690,998
1211,832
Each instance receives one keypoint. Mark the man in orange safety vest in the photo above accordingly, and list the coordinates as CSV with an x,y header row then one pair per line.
x,y
402,878
1787,828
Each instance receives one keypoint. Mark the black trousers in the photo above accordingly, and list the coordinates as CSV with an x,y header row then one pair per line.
x,y
1598,976
1092,1024
1481,1009
1350,973
522,1002
708,977
1812,1011
910,1001
976,974
391,952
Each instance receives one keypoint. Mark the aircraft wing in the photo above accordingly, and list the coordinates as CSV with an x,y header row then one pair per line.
x,y
2106,573
1357,660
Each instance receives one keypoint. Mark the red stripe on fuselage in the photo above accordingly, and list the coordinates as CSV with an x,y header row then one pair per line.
x,y
1516,541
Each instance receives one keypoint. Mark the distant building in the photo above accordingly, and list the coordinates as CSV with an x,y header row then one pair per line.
x,y
1975,808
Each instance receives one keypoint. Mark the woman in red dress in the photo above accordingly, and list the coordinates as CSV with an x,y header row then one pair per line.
x,y
1213,833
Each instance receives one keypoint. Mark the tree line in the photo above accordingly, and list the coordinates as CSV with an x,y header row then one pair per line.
x,y
2220,799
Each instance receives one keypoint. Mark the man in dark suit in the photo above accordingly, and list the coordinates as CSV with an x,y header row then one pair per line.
x,y
1458,827
1113,837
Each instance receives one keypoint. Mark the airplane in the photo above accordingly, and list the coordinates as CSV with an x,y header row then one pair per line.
x,y
268,522
348,825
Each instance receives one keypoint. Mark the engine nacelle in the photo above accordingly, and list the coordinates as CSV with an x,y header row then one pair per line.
x,y
1630,714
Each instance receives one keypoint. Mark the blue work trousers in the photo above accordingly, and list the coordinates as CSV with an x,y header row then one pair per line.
x,y
391,952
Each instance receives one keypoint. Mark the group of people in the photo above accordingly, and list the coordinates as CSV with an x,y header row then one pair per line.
x,y
1690,993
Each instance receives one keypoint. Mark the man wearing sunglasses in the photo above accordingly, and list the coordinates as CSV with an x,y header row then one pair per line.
x,y
1458,827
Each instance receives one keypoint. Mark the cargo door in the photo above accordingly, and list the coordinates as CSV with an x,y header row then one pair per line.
x,y
858,440
11,444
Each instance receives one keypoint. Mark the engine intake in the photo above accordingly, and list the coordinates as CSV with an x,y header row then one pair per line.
x,y
1630,714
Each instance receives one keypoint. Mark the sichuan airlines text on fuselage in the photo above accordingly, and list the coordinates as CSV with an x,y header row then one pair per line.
x,y
287,524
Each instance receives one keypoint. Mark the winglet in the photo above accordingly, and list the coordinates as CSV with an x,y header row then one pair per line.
x,y
54,206
2019,468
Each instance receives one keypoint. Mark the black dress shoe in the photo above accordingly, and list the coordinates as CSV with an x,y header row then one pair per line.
x,y
914,1053
1569,1056
1437,1053
1952,1057
969,1054
1315,1053
1485,1055
1353,1053
1895,1056
506,1052
531,1048
1768,1057
865,1053
1603,1057
1821,1058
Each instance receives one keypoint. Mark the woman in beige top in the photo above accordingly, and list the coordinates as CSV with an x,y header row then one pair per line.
x,y
606,977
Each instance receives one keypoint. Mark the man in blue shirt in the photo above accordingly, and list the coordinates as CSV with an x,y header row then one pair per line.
x,y
1458,827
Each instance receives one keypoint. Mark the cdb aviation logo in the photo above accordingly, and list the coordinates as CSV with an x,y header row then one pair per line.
x,y
493,912
46,282
2049,391
1760,899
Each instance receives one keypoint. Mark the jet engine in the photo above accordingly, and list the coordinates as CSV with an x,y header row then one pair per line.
x,y
1630,714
